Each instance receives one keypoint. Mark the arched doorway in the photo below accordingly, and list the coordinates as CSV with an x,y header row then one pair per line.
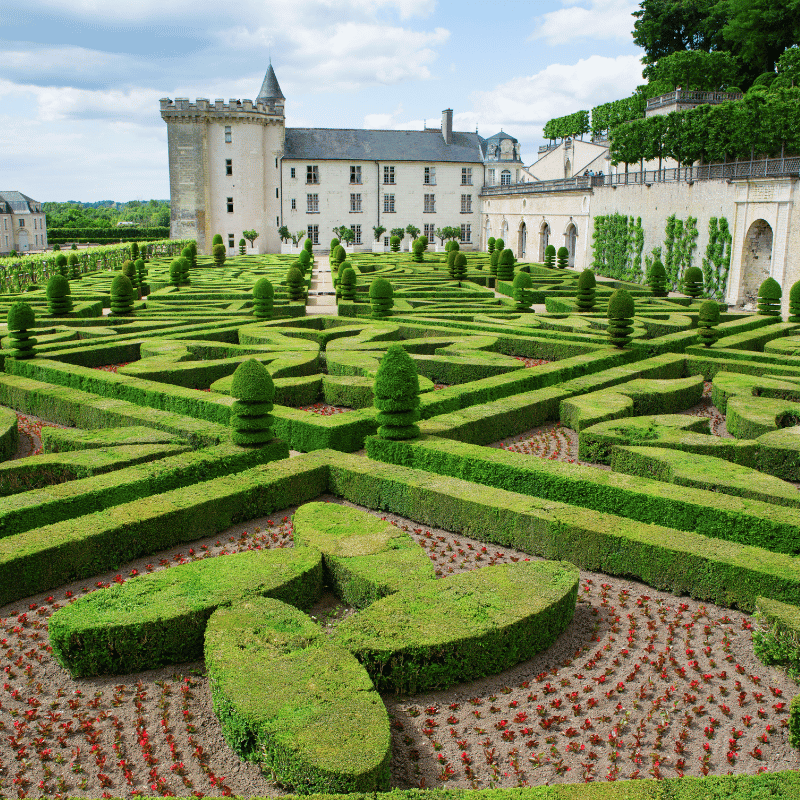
x,y
544,239
504,233
571,242
756,261
567,169
523,240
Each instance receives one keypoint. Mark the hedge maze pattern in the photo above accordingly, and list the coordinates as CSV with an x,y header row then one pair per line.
x,y
662,464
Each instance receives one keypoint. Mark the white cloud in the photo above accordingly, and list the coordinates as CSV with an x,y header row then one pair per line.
x,y
602,19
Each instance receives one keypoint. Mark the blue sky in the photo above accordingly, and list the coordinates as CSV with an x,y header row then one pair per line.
x,y
80,80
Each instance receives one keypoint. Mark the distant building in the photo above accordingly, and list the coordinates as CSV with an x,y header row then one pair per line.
x,y
22,224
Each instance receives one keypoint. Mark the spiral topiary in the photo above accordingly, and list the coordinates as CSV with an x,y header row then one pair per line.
x,y
59,302
794,302
218,252
21,320
769,298
216,240
657,279
522,291
74,267
493,259
505,266
263,299
550,256
61,265
348,284
122,296
142,272
499,245
242,247
621,310
254,392
417,250
394,244
396,391
294,282
693,282
381,298
585,296
707,321
562,258
490,244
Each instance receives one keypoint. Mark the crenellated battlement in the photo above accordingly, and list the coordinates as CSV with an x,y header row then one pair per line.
x,y
182,107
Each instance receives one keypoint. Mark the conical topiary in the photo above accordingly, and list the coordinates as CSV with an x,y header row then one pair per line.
x,y
522,291
254,392
769,298
621,310
550,256
493,259
693,282
348,284
61,265
263,299
396,391
585,296
499,245
459,266
505,266
794,303
122,295
657,279
490,244
59,301
218,251
707,321
242,247
562,258
74,267
381,298
21,320
294,282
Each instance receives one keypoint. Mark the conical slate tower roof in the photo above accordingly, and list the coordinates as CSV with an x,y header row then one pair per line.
x,y
270,90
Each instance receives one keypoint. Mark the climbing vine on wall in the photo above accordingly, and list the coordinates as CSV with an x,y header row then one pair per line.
x,y
717,261
617,246
680,241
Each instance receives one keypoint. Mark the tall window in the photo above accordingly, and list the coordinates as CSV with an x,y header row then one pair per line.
x,y
231,241
357,233
430,176
228,166
430,203
355,174
22,223
430,232
355,202
228,134
466,203
230,205
388,204
491,177
294,204
313,234
466,176
466,234
312,174
293,172
388,174
312,203
505,177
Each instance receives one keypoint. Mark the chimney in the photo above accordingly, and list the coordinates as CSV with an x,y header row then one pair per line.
x,y
447,125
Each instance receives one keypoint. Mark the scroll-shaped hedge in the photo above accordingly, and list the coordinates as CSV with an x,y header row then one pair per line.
x,y
462,627
365,557
160,619
290,698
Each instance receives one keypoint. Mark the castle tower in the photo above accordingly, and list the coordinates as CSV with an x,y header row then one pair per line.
x,y
224,171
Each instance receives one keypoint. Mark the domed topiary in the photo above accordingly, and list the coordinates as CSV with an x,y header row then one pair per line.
x,y
61,265
550,256
294,282
334,245
219,254
621,310
59,301
381,298
562,258
74,267
769,298
339,254
493,259
193,245
693,282
308,246
304,260
657,279
175,273
522,293
263,299
122,295
187,254
396,391
348,284
794,303
394,244
129,270
451,261
505,266
707,321
337,278
499,245
452,245
585,296
254,392
21,320
417,250
490,244
242,247
216,240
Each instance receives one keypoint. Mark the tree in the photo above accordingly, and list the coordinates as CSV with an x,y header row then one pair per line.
x,y
251,236
398,232
788,68
412,231
296,237
344,234
447,232
283,233
694,70
378,231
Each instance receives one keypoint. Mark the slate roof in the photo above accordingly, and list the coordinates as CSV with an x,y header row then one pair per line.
x,y
270,89
343,144
502,135
16,202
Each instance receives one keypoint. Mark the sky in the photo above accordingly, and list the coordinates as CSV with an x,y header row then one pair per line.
x,y
80,80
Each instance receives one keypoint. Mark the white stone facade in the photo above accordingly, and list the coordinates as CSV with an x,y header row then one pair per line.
x,y
23,226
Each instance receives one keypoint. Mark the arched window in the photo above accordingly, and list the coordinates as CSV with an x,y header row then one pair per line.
x,y
505,177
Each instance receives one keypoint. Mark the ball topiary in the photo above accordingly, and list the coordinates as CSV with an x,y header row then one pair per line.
x,y
61,265
59,302
348,284
621,310
242,247
219,254
769,298
490,244
493,259
122,296
505,266
74,267
522,291
216,240
263,299
396,391
585,296
562,258
56,248
657,279
381,298
21,320
794,303
254,392
707,321
550,256
693,282
499,245
294,282
394,244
